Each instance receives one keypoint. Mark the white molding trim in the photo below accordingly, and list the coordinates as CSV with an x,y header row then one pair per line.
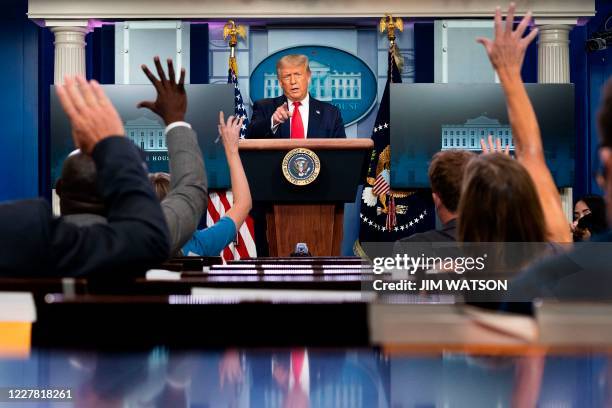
x,y
66,23
556,21
265,9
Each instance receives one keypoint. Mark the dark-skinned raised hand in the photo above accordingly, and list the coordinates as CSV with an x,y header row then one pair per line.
x,y
171,101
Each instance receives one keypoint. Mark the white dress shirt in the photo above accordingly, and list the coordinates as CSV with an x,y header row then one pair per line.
x,y
304,112
176,124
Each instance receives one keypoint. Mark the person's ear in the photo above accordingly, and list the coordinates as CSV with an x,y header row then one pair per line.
x,y
436,200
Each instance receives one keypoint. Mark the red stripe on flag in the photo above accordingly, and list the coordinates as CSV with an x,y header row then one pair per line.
x,y
240,247
214,214
251,226
212,211
224,201
380,186
227,254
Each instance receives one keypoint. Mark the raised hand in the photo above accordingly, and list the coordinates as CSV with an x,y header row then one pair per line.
x,y
490,147
507,50
281,115
230,132
92,115
171,102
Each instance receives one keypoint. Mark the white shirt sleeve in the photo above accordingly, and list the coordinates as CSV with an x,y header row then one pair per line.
x,y
176,124
272,126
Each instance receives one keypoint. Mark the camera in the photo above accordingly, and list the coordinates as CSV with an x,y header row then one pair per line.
x,y
599,41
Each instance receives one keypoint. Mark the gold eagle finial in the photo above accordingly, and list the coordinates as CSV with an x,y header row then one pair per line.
x,y
391,24
233,31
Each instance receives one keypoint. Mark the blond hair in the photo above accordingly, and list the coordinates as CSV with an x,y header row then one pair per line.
x,y
293,60
161,184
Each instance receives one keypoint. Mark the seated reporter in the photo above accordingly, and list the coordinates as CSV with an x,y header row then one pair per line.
x,y
582,274
186,200
33,242
446,179
212,240
589,217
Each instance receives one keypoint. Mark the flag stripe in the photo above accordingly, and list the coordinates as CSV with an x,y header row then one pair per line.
x,y
214,216
239,251
219,203
225,205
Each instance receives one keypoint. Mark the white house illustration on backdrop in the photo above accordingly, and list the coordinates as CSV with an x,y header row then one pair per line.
x,y
325,84
467,136
146,134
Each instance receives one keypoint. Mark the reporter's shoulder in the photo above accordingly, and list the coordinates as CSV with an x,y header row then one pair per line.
x,y
418,237
111,143
25,214
19,205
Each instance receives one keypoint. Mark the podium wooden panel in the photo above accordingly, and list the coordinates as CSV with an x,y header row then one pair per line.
x,y
320,226
314,213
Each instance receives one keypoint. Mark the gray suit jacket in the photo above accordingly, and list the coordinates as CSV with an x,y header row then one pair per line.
x,y
188,195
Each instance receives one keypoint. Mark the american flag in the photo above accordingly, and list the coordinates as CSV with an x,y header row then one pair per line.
x,y
219,202
381,186
239,108
388,215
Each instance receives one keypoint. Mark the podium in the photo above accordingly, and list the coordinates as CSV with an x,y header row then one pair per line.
x,y
311,213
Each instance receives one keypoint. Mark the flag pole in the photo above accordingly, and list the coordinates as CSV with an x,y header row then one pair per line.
x,y
390,24
233,31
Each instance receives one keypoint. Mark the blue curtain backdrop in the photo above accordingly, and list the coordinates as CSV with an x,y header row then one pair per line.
x,y
18,103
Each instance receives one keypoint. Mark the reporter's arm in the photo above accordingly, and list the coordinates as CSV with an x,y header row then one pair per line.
x,y
211,241
242,202
187,198
136,236
530,153
186,201
34,243
507,52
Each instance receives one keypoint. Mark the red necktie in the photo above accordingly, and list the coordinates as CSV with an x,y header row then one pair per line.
x,y
297,127
297,362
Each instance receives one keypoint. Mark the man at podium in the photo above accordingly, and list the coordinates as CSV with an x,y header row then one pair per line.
x,y
295,114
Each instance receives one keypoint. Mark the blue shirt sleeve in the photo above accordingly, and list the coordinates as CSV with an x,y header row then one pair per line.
x,y
211,241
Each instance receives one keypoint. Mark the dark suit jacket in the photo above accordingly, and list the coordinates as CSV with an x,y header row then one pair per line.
x,y
324,120
448,233
188,195
33,242
583,274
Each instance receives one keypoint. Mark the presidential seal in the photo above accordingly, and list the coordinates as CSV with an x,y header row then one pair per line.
x,y
301,166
